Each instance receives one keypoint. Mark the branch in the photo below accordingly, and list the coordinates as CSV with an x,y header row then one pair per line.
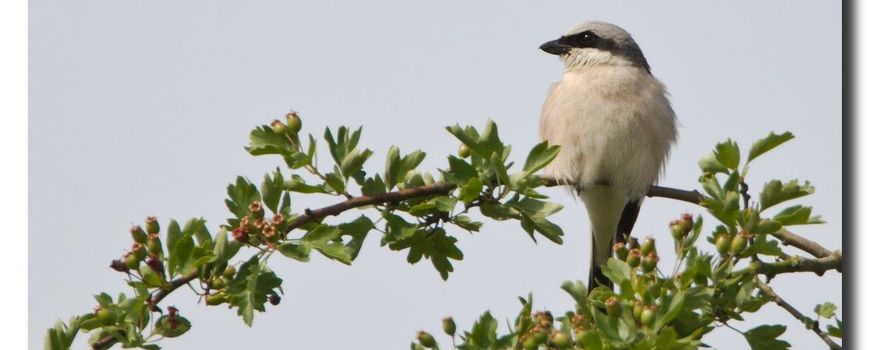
x,y
795,264
804,244
764,288
107,341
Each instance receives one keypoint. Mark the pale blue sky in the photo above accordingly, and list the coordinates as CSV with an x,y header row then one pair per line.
x,y
142,108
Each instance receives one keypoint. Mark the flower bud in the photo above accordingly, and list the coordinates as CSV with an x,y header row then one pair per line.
x,y
648,246
614,308
426,339
139,235
278,127
294,123
633,259
649,262
151,225
738,244
621,251
449,326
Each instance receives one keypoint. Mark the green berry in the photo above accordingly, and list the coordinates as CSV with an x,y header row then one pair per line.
x,y
151,225
621,251
464,151
649,262
131,261
215,299
614,308
648,316
738,244
637,310
229,272
561,340
449,326
218,283
139,235
530,343
294,123
426,339
278,127
648,246
105,316
139,251
723,243
633,259
154,245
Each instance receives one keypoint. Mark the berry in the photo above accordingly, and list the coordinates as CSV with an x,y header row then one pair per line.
x,y
131,261
215,299
614,308
633,259
530,343
105,316
278,127
139,235
738,244
294,123
648,246
561,340
426,339
229,272
723,243
449,326
621,251
464,151
648,316
649,262
151,225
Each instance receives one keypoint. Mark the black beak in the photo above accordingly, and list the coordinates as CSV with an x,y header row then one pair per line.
x,y
555,48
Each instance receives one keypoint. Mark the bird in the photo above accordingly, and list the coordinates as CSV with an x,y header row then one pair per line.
x,y
615,127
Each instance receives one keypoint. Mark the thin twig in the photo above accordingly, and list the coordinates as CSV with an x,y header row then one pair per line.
x,y
795,264
764,288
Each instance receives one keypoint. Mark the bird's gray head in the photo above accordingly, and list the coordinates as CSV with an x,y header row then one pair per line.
x,y
595,42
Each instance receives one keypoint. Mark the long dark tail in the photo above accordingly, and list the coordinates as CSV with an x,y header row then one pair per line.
x,y
623,229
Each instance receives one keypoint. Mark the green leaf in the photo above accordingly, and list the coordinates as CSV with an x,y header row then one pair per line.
x,y
836,331
326,240
241,195
374,186
540,155
173,234
483,333
461,172
391,170
265,141
826,310
709,164
616,270
768,143
248,290
728,154
764,338
335,182
465,222
297,184
776,192
296,251
577,290
797,215
470,190
408,163
271,190
179,256
764,246
353,162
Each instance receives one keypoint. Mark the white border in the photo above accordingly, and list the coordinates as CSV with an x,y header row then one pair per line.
x,y
13,143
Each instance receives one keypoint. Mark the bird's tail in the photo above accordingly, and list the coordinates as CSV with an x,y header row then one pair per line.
x,y
612,216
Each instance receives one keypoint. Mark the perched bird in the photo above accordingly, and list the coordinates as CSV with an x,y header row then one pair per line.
x,y
615,126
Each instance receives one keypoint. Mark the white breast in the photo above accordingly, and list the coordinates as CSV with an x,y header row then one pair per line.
x,y
614,125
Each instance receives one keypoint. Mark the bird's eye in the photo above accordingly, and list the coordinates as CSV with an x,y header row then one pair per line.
x,y
587,37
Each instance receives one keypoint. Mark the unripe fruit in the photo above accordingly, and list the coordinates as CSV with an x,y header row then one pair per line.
x,y
686,222
151,225
648,246
561,340
426,339
139,235
637,310
215,299
648,316
139,251
131,261
256,210
240,235
278,127
738,244
649,262
540,337
449,326
106,316
633,259
464,151
614,308
530,343
723,243
229,272
154,245
621,251
153,261
294,123
218,283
